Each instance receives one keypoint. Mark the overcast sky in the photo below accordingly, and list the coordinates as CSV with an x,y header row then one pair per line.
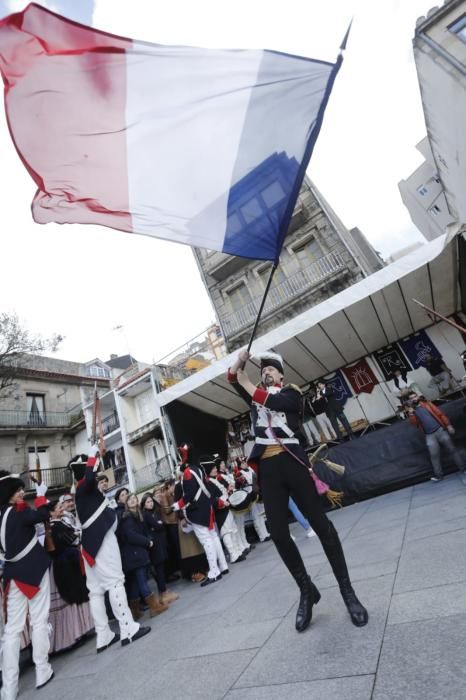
x,y
82,281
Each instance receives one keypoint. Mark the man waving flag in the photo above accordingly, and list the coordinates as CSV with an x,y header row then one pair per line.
x,y
203,147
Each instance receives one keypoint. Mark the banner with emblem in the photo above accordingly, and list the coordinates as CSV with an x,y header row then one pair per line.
x,y
391,358
339,385
417,347
360,376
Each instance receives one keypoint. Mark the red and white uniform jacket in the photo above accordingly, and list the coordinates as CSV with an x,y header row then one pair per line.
x,y
196,500
94,512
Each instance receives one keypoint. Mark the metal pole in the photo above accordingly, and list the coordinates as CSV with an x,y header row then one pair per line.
x,y
261,308
162,422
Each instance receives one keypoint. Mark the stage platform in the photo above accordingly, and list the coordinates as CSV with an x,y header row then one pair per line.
x,y
390,457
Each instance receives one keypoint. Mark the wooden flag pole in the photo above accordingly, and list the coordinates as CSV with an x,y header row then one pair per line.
x,y
436,314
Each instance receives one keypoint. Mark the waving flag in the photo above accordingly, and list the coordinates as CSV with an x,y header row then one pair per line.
x,y
203,147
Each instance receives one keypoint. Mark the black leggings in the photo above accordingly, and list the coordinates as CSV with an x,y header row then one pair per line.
x,y
281,477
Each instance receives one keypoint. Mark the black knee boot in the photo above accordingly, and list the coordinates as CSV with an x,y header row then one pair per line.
x,y
334,551
309,596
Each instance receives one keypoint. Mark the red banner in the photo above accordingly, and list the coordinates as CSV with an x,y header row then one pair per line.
x,y
361,377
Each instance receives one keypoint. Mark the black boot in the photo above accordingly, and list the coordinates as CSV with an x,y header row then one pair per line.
x,y
357,611
309,596
334,551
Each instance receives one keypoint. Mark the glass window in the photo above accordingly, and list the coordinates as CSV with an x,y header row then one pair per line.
x,y
422,190
97,371
234,224
308,252
273,194
239,296
458,27
435,210
36,409
252,210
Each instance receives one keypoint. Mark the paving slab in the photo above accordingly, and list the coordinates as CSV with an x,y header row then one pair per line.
x,y
423,661
426,604
352,688
331,647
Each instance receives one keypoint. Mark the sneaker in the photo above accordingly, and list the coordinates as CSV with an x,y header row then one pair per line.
x,y
436,478
310,533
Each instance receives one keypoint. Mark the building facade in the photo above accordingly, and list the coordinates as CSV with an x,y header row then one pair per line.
x,y
440,56
320,257
423,195
41,417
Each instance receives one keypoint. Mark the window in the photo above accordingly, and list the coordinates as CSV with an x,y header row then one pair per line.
x,y
273,194
458,27
234,224
435,210
251,211
36,409
264,274
422,190
98,371
239,296
308,252
42,458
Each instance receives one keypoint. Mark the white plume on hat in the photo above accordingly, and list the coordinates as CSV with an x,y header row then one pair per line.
x,y
270,359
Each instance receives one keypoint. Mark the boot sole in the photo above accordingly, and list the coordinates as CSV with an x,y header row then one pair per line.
x,y
42,685
138,635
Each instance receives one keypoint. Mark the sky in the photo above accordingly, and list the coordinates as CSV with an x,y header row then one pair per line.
x,y
84,281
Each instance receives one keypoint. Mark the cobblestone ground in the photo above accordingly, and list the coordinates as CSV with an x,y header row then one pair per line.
x,y
236,639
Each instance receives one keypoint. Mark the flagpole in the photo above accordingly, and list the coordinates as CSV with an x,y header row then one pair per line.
x,y
261,308
431,312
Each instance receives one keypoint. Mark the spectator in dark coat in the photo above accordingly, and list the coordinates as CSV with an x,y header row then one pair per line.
x,y
155,530
333,409
121,497
135,546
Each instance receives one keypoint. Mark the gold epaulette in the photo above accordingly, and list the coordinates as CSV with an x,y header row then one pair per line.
x,y
293,386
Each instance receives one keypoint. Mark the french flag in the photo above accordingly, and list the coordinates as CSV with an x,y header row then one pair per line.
x,y
199,146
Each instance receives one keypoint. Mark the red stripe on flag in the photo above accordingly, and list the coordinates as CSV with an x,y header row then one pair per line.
x,y
65,101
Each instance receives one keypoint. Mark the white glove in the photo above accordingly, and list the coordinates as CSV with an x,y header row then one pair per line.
x,y
175,507
41,489
451,429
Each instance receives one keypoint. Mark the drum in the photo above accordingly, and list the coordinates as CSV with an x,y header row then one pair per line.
x,y
240,500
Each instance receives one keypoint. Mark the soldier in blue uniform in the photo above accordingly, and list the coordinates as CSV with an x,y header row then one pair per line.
x,y
26,576
101,555
276,413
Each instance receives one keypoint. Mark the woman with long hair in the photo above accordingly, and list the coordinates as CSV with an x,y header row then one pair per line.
x,y
155,530
135,546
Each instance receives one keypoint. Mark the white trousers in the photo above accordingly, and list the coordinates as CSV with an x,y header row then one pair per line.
x,y
18,606
212,547
107,575
239,520
326,426
257,513
231,539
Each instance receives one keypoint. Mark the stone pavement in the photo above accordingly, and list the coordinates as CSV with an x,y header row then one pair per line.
x,y
236,639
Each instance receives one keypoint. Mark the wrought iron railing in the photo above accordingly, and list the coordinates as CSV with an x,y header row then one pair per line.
x,y
153,473
110,423
285,291
25,419
53,477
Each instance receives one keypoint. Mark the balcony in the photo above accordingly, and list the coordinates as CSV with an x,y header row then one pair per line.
x,y
110,424
22,420
150,429
56,478
153,473
280,294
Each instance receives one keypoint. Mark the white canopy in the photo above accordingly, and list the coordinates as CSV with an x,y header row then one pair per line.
x,y
376,311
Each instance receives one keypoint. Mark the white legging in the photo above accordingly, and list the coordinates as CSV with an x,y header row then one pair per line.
x,y
212,547
18,606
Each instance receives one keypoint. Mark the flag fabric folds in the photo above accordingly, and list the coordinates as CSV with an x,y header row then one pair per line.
x,y
199,146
